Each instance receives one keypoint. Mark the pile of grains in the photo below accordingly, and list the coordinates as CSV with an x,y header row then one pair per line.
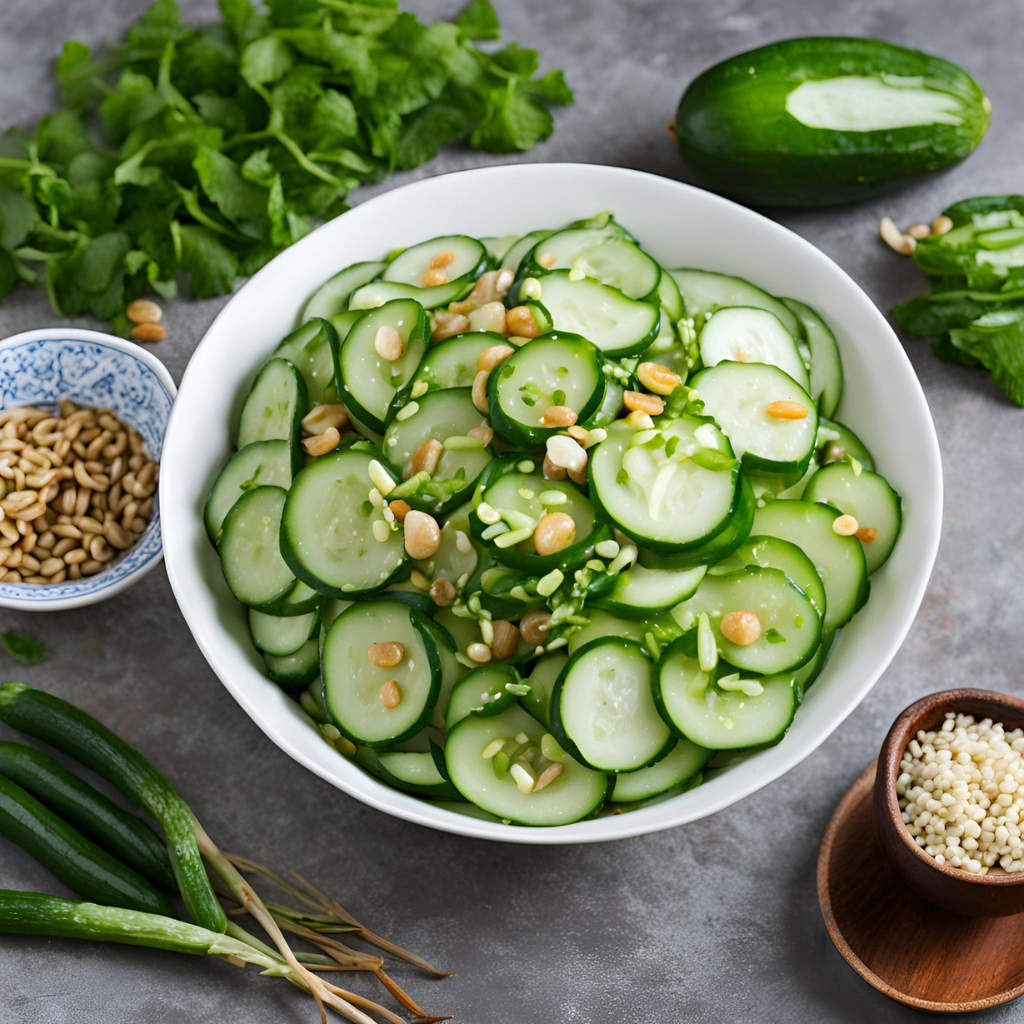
x,y
961,790
76,489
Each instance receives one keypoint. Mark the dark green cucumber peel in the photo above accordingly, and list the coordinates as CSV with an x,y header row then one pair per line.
x,y
736,133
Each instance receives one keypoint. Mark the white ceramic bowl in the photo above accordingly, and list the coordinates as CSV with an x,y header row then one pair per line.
x,y
40,368
680,226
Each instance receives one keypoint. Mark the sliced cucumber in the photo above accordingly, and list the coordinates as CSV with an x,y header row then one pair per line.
x,y
839,560
679,765
869,499
446,417
352,684
577,793
605,624
274,408
281,635
542,684
745,334
249,550
846,439
670,297
602,709
640,592
615,323
452,670
826,362
664,501
262,463
703,713
519,250
483,691
498,247
312,349
739,397
368,381
300,600
408,771
333,295
377,293
455,256
771,552
296,670
453,363
790,624
327,534
703,292
555,369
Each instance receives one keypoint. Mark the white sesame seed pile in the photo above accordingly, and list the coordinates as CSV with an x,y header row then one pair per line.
x,y
961,790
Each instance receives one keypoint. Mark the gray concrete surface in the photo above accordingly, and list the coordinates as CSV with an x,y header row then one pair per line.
x,y
714,922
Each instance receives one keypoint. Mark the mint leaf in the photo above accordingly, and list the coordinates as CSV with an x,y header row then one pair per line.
x,y
24,649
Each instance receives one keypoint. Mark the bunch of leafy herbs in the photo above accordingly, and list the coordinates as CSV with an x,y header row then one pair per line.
x,y
206,151
975,310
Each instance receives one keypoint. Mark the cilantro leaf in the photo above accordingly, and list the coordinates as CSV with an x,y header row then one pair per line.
x,y
479,21
266,60
212,264
17,218
24,649
514,122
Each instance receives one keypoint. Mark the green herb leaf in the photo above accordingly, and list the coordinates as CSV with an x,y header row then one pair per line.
x,y
479,21
714,460
24,649
773,636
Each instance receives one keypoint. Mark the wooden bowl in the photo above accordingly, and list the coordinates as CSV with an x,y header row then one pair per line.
x,y
954,889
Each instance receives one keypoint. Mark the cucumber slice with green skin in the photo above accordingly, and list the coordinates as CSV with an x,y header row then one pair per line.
x,y
640,592
603,255
378,293
724,543
518,496
274,408
790,624
262,463
704,292
327,529
519,250
553,370
745,334
868,498
468,258
664,501
670,297
447,417
839,560
605,624
342,324
281,635
249,548
333,295
679,765
408,771
611,405
312,350
368,381
481,691
454,362
297,670
352,684
577,793
851,444
452,670
506,593
823,120
300,600
826,362
773,553
602,709
542,684
498,247
737,395
615,323
703,713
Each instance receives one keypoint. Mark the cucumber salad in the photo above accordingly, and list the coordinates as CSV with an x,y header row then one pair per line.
x,y
535,526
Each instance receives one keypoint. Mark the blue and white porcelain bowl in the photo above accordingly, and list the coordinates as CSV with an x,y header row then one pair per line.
x,y
40,368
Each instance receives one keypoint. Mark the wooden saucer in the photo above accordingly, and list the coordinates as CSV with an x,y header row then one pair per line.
x,y
915,953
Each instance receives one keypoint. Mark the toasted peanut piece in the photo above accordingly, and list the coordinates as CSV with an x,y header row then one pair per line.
x,y
399,509
144,311
391,694
149,332
489,317
919,231
845,526
427,456
894,238
422,535
386,654
442,593
463,307
672,134
388,343
446,325
432,278
493,285
505,641
483,431
480,391
558,416
577,433
555,532
551,471
547,260
740,628
866,534
321,444
520,321
531,627
480,653
657,378
493,356
320,417
942,225
784,410
440,260
637,401
549,775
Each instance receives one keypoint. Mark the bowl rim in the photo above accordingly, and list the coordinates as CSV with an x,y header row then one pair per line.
x,y
119,582
907,723
183,575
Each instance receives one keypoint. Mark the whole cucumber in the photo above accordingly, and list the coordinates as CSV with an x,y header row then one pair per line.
x,y
827,119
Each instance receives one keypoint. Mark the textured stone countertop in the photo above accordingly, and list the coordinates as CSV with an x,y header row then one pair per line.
x,y
712,922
